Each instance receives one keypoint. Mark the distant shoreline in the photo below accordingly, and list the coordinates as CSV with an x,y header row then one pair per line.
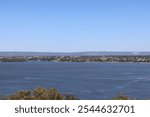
x,y
112,59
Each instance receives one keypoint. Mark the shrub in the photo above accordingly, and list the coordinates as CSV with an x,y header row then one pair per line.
x,y
21,95
71,97
45,94
121,97
41,94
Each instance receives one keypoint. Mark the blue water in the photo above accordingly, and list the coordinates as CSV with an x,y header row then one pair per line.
x,y
86,80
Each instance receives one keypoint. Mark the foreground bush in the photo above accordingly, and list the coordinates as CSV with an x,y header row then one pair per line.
x,y
49,94
121,97
41,94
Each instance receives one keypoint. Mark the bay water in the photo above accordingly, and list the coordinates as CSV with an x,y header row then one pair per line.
x,y
87,80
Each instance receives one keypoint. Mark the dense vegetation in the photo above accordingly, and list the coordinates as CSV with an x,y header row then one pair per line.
x,y
77,58
41,94
48,94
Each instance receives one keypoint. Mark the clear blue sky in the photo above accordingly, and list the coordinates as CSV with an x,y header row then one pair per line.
x,y
74,25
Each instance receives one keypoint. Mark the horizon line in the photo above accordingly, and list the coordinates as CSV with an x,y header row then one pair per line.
x,y
68,51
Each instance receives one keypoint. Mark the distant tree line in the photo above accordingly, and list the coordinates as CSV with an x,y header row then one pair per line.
x,y
77,58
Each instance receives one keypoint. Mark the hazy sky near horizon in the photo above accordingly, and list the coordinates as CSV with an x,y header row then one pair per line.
x,y
74,25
